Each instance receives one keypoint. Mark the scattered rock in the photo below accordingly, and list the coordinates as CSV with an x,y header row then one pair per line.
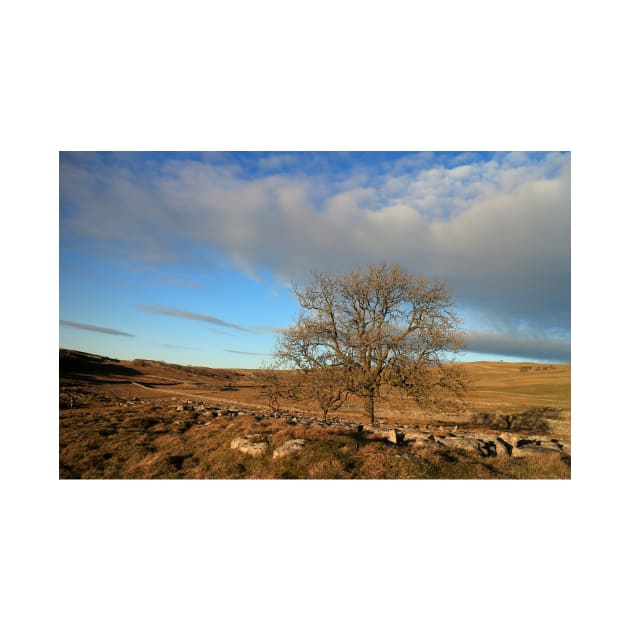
x,y
487,445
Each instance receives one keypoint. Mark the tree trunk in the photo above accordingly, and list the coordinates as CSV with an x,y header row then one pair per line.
x,y
369,405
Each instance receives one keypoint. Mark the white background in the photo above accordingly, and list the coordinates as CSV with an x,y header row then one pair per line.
x,y
313,76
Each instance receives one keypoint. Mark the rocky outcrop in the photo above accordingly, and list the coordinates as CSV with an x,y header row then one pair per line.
x,y
497,444
504,445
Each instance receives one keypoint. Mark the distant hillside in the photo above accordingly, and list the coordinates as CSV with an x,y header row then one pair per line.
x,y
498,386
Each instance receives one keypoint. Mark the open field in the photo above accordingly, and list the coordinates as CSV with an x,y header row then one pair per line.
x,y
149,419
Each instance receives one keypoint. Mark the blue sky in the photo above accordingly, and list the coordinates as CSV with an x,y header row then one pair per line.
x,y
189,257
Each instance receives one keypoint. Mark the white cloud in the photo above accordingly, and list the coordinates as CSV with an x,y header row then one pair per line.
x,y
497,230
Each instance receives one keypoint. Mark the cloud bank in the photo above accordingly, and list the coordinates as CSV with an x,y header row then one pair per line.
x,y
525,345
496,227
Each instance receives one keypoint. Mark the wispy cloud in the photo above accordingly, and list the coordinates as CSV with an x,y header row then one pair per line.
x,y
98,329
256,354
176,312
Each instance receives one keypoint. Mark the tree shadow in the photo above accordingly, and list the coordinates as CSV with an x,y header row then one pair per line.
x,y
533,420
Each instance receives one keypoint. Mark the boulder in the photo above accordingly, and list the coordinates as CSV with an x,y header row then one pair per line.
x,y
565,446
248,445
421,444
504,448
488,448
463,443
390,436
413,435
537,447
292,446
381,432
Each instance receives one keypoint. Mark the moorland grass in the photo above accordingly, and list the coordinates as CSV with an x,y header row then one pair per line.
x,y
151,444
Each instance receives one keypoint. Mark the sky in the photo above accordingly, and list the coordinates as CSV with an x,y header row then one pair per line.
x,y
190,257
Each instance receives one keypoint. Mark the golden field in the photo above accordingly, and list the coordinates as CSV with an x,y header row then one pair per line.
x,y
120,419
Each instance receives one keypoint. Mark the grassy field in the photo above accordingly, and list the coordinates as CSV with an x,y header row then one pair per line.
x,y
120,419
515,386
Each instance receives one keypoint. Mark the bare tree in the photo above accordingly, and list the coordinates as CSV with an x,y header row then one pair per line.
x,y
325,386
377,326
271,386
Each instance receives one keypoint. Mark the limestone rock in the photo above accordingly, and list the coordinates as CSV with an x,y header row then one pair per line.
x,y
249,445
527,447
292,446
488,448
422,444
565,447
381,432
504,448
414,435
464,443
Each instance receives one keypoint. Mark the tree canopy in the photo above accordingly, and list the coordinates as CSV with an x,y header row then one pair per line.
x,y
376,326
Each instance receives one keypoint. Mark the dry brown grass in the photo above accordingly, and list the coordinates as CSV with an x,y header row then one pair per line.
x,y
147,445
117,429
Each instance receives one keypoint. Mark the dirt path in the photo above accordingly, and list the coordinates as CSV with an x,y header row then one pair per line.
x,y
204,397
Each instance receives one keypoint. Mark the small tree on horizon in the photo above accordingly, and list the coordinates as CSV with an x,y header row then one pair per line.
x,y
323,385
375,326
271,386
